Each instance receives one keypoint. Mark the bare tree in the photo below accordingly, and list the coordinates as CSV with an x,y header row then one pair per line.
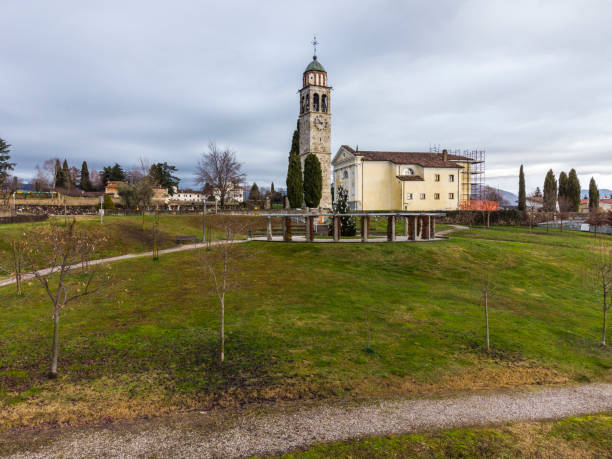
x,y
16,264
220,169
40,180
68,277
222,263
49,168
598,274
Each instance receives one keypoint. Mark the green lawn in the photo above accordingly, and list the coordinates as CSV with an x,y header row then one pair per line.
x,y
580,437
297,327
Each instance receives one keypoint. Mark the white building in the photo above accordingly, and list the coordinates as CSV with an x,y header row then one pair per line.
x,y
187,196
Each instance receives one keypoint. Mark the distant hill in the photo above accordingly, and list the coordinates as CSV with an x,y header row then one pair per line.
x,y
603,193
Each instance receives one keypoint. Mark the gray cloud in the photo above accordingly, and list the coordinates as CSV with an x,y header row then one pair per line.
x,y
113,81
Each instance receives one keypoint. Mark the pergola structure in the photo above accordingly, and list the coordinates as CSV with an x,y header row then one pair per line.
x,y
417,226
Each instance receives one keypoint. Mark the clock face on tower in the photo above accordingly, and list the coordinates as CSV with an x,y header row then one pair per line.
x,y
320,123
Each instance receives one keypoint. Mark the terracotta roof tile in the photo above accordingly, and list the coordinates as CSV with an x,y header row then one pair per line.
x,y
401,157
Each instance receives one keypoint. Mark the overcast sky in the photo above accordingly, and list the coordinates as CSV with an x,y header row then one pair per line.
x,y
529,81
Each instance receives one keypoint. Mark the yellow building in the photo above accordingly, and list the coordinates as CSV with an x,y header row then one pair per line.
x,y
382,180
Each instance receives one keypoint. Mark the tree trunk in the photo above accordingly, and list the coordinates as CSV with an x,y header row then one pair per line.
x,y
605,310
222,328
486,304
55,345
143,219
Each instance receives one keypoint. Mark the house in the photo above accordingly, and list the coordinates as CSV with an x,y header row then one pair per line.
x,y
234,194
112,188
409,181
187,195
604,204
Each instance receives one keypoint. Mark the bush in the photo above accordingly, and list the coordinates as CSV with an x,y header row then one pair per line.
x,y
108,202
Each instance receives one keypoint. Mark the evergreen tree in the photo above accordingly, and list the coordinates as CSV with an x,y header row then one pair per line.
x,y
593,195
254,193
58,178
162,175
113,174
67,181
537,193
563,185
522,197
573,190
295,187
272,188
313,181
5,165
341,206
550,192
85,183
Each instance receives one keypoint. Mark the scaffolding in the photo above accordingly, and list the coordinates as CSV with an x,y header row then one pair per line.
x,y
473,175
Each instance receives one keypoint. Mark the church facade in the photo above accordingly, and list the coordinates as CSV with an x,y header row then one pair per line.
x,y
408,181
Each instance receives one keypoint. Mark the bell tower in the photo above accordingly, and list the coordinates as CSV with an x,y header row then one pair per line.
x,y
315,122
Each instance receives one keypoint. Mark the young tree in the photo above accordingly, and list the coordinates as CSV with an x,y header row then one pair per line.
x,y
598,274
522,196
108,203
573,190
313,181
295,184
550,192
17,263
254,192
593,195
348,226
5,165
221,169
163,176
222,263
85,182
69,276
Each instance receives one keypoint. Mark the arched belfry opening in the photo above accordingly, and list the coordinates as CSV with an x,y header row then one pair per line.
x,y
324,103
315,102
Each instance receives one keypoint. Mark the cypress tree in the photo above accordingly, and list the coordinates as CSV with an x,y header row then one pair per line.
x,y
59,176
254,193
67,180
272,188
550,192
85,182
563,185
5,165
313,181
593,195
295,187
573,190
522,196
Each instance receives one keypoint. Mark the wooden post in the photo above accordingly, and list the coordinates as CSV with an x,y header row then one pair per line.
x,y
412,228
365,223
310,228
425,228
287,229
270,228
336,228
391,228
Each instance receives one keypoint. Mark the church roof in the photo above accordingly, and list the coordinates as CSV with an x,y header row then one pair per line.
x,y
315,65
404,157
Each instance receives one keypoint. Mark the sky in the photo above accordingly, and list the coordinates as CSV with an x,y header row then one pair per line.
x,y
113,81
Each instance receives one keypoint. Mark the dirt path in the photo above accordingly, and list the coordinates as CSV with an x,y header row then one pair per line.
x,y
11,280
272,431
450,230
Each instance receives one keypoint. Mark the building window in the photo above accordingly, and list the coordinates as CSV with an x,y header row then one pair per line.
x,y
409,196
408,171
437,177
451,178
422,195
345,175
451,195
436,195
324,103
315,102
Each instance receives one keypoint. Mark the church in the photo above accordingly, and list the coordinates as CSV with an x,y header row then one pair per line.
x,y
376,180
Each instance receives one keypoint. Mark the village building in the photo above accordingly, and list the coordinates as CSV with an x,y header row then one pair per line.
x,y
112,188
187,195
234,194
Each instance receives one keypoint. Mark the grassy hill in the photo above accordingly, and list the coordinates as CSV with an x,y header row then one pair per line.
x,y
298,319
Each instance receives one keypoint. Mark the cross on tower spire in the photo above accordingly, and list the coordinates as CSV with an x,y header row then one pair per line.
x,y
314,44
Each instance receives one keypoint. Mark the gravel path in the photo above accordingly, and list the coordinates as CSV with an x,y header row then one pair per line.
x,y
26,277
281,431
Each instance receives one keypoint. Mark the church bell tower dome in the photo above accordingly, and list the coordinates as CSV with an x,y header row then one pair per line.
x,y
314,74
